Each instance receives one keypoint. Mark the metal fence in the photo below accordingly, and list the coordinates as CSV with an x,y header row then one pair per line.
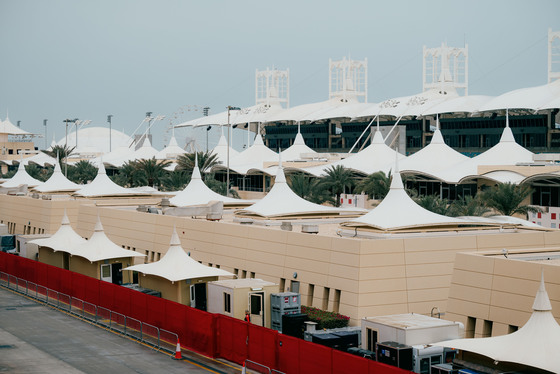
x,y
260,368
156,337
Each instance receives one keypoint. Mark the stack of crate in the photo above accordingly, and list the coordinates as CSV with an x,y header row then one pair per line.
x,y
283,303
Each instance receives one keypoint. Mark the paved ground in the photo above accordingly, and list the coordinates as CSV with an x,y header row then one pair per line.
x,y
35,338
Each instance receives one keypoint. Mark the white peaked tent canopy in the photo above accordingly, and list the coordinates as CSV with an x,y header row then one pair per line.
x,y
64,240
282,202
115,156
198,193
57,182
21,177
99,247
295,150
145,152
377,156
251,158
7,127
535,98
102,185
536,344
398,212
506,152
41,159
220,150
177,265
171,151
461,104
435,156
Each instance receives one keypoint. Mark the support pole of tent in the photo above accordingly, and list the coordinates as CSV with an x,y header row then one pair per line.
x,y
362,134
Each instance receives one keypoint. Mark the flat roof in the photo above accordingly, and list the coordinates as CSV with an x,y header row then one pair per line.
x,y
243,283
410,321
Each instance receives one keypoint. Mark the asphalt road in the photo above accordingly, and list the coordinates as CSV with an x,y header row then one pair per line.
x,y
35,338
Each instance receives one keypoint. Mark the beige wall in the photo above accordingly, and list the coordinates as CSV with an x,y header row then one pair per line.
x,y
357,277
93,269
176,291
50,257
502,290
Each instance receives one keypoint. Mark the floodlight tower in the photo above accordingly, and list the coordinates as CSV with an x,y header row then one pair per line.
x,y
446,67
272,87
553,55
348,79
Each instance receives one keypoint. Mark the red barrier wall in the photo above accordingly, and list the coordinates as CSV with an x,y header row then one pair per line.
x,y
213,335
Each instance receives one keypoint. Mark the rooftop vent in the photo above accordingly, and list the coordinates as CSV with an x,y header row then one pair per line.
x,y
287,226
142,208
310,229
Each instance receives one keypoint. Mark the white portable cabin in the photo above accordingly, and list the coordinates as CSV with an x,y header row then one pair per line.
x,y
233,297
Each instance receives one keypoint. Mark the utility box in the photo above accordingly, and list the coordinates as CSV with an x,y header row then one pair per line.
x,y
293,324
8,243
233,297
395,354
283,303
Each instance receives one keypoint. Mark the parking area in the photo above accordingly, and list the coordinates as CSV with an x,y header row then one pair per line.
x,y
35,338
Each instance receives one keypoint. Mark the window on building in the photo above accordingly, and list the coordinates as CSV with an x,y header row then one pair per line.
x,y
471,326
326,292
282,284
227,302
336,305
252,274
310,295
512,328
487,328
294,286
244,274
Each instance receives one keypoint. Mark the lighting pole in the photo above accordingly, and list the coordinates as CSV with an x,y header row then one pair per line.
x,y
109,120
229,108
66,145
45,124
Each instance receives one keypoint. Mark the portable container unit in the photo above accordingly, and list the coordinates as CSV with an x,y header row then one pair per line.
x,y
283,303
410,329
395,354
233,297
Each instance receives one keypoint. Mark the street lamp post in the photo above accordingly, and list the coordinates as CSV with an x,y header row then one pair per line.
x,y
229,108
45,124
110,131
66,144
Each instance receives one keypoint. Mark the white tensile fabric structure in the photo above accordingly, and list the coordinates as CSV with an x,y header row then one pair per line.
x,y
251,158
221,150
176,265
99,247
198,193
535,344
295,151
171,152
435,156
95,140
102,185
536,98
8,128
282,202
506,152
145,152
57,182
377,156
64,239
21,177
461,104
41,159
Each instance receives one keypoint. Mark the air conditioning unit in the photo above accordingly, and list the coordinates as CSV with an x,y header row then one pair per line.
x,y
310,229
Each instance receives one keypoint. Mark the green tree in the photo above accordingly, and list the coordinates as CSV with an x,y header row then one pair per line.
x,y
468,206
338,180
219,187
507,199
61,151
153,169
433,203
82,172
129,176
37,172
375,185
309,188
206,160
175,180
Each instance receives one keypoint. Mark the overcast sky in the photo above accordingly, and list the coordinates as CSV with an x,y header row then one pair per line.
x,y
87,59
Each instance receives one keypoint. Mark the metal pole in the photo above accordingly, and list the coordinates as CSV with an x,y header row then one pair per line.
x,y
66,150
110,131
228,145
45,124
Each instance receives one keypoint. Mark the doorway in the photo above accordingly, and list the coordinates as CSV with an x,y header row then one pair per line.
x,y
256,308
116,273
198,296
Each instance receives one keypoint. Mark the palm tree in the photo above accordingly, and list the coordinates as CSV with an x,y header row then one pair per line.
x,y
507,199
309,188
129,176
219,187
176,180
433,203
206,160
468,206
153,169
36,172
376,185
337,180
60,151
82,172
